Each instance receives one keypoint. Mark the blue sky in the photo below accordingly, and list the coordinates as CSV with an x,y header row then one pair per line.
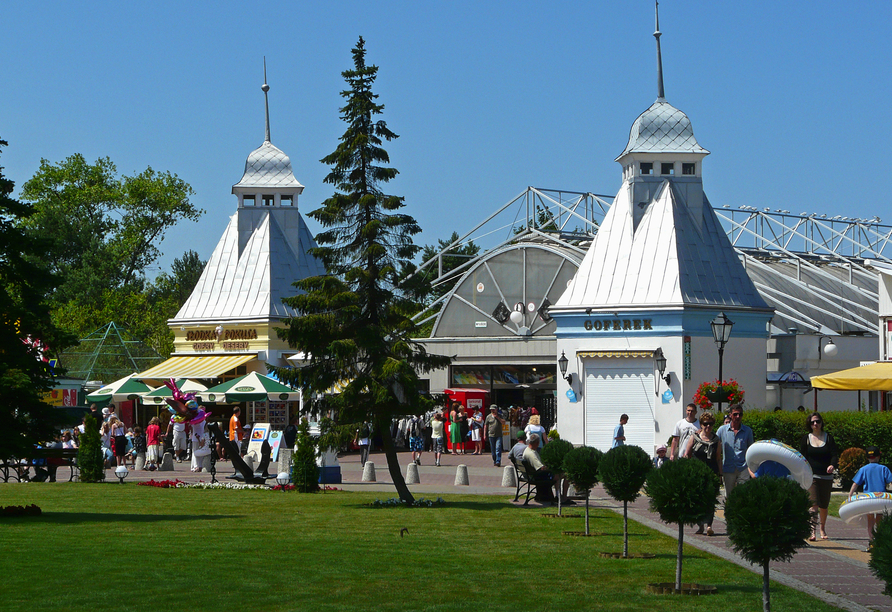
x,y
791,98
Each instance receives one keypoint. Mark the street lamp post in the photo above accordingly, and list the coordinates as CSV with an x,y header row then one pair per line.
x,y
721,332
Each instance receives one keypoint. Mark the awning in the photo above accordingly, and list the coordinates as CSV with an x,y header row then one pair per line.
x,y
873,377
197,366
613,354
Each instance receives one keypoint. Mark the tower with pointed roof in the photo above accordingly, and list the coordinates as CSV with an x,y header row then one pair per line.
x,y
658,271
230,316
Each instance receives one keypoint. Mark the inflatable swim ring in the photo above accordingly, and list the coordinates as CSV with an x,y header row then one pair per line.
x,y
861,504
789,457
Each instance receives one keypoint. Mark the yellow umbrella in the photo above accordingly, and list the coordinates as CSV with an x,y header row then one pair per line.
x,y
873,377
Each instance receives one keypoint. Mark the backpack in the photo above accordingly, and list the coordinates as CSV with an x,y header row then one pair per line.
x,y
416,430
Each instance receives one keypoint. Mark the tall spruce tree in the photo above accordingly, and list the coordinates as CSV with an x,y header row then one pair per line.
x,y
354,323
28,337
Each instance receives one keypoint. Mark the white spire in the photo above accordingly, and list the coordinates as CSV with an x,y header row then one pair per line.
x,y
660,94
265,89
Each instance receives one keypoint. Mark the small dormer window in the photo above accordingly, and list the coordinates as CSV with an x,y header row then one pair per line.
x,y
269,200
689,169
248,200
286,200
646,168
667,169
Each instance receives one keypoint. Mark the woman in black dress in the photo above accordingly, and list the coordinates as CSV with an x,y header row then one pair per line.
x,y
819,449
706,446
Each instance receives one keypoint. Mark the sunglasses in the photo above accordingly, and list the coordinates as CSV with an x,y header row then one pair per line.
x,y
707,424
816,422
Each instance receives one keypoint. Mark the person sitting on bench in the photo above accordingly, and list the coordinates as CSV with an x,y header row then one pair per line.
x,y
542,473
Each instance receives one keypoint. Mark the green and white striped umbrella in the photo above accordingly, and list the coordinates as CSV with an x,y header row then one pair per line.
x,y
119,391
252,387
159,395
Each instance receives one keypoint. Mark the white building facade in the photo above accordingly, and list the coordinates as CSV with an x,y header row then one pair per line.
x,y
659,270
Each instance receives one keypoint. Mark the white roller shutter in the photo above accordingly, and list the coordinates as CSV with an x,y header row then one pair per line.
x,y
614,387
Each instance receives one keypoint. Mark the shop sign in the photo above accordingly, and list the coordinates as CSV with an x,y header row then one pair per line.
x,y
198,335
208,339
618,324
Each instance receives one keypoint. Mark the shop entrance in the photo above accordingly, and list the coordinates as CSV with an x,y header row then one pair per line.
x,y
614,387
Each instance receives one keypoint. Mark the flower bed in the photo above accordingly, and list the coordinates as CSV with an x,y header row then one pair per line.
x,y
398,503
179,484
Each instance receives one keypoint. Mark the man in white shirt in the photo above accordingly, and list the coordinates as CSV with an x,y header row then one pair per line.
x,y
683,429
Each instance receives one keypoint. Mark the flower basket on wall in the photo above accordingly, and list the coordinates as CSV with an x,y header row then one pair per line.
x,y
726,392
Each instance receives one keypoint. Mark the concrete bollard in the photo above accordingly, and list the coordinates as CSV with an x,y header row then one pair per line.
x,y
166,463
368,472
412,474
509,478
140,461
461,475
249,461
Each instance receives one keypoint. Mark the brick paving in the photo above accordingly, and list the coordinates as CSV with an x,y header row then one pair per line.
x,y
833,570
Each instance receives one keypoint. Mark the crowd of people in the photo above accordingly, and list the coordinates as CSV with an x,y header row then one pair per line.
x,y
143,449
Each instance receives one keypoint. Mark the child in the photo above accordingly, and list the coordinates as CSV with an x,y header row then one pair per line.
x,y
872,478
661,458
139,448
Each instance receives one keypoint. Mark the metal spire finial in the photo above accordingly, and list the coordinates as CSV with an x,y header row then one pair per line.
x,y
265,89
660,94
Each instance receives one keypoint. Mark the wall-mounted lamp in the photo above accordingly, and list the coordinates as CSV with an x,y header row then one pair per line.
x,y
660,363
830,350
562,364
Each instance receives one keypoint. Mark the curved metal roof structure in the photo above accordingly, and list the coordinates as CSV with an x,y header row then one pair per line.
x,y
816,271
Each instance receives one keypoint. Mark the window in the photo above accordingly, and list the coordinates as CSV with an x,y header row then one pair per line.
x,y
689,169
248,200
286,200
667,169
646,168
269,200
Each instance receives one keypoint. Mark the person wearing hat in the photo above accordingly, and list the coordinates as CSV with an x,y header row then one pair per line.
x,y
661,458
517,450
872,478
492,428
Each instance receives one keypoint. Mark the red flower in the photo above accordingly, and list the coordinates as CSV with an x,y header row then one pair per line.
x,y
731,387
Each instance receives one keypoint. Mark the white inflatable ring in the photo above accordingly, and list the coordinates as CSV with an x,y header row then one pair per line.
x,y
787,456
860,504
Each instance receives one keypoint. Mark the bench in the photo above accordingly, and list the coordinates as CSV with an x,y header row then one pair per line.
x,y
19,468
526,483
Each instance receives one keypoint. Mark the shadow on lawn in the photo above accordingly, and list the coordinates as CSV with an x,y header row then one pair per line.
x,y
95,517
461,505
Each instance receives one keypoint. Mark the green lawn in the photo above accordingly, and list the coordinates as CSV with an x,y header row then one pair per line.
x,y
126,547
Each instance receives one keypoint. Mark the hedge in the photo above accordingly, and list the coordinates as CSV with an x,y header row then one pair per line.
x,y
849,429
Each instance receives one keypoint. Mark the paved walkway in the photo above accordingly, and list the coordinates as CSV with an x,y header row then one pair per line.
x,y
833,570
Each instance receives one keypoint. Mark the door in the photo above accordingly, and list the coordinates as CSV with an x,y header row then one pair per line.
x,y
614,387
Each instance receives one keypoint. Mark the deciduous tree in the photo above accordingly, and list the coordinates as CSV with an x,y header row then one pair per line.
x,y
101,232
